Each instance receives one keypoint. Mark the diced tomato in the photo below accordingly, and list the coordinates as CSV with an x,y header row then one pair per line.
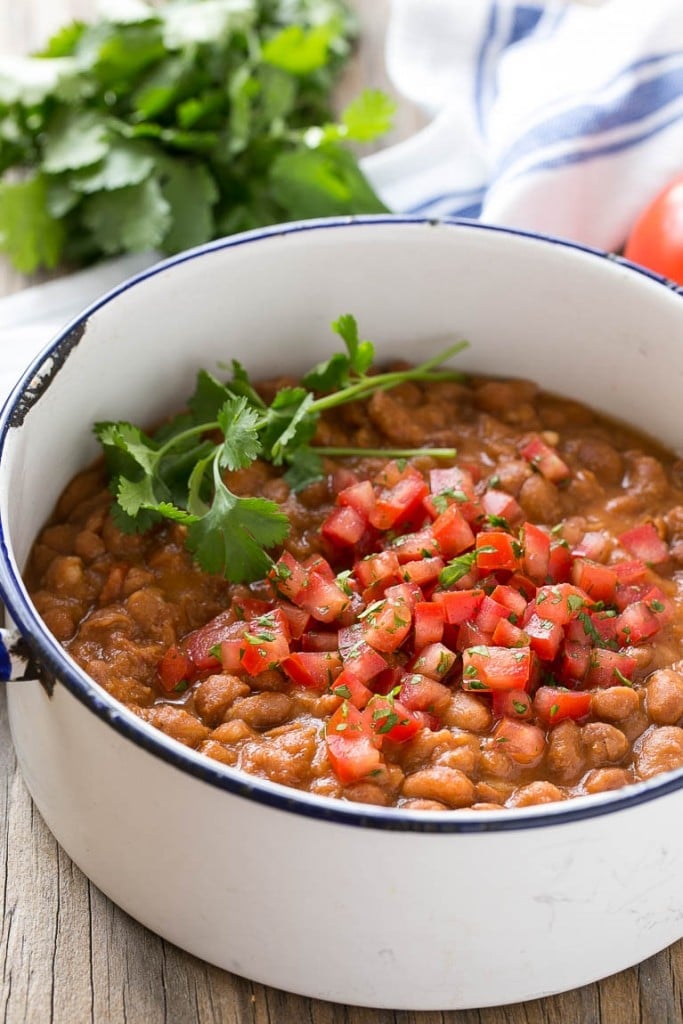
x,y
500,504
594,545
636,623
495,668
497,550
391,720
453,485
598,581
510,598
526,587
535,552
609,668
297,618
359,496
546,460
602,625
248,608
514,704
467,635
174,669
428,619
315,670
452,532
660,605
644,543
629,572
426,570
545,637
574,659
343,527
420,693
351,745
522,742
381,567
387,623
626,594
459,605
435,661
357,654
561,602
489,614
553,704
559,562
351,688
263,648
420,544
322,597
319,640
396,503
507,635
201,646
288,577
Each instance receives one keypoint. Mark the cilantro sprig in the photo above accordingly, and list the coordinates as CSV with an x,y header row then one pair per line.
x,y
178,473
163,125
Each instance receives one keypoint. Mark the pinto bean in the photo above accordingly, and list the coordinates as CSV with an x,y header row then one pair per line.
x,y
88,545
601,458
511,475
540,500
284,755
533,793
215,695
615,703
467,711
464,755
175,722
395,422
664,699
604,744
423,805
660,749
445,785
218,752
600,780
367,793
565,756
262,710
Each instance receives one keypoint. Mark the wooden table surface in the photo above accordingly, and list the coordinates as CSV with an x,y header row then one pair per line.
x,y
69,956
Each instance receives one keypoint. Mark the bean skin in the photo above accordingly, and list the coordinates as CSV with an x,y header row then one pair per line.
x,y
659,750
533,793
615,703
665,697
262,710
600,780
446,785
604,744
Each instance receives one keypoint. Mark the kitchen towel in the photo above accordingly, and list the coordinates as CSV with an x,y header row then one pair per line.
x,y
554,117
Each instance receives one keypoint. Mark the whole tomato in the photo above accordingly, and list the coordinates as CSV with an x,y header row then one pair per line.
x,y
656,241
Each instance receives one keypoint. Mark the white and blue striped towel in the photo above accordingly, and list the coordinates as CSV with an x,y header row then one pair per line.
x,y
553,117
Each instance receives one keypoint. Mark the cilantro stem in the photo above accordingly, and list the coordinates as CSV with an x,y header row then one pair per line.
x,y
184,435
382,381
388,453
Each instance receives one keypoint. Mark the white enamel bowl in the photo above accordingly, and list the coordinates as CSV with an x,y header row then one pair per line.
x,y
333,900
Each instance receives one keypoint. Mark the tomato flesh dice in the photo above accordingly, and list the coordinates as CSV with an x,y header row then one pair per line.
x,y
522,742
350,745
391,720
489,614
497,550
514,704
535,553
598,581
359,496
459,605
396,503
636,623
420,693
288,577
262,649
435,661
552,704
609,668
545,637
499,503
387,624
356,653
348,686
315,670
428,620
344,527
322,598
420,544
452,532
561,602
546,460
496,668
382,567
201,645
644,543
174,669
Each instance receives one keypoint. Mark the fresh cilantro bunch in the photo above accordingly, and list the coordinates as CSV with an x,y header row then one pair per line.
x,y
161,126
178,472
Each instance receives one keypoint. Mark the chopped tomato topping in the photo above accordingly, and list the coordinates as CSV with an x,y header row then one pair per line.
x,y
495,668
521,741
175,668
350,745
645,544
553,704
546,460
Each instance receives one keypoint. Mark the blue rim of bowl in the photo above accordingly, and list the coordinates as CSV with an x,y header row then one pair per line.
x,y
54,658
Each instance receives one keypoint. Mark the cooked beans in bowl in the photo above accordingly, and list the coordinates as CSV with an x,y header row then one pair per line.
x,y
490,620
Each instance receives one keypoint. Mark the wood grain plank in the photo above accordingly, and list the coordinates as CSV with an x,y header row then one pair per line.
x,y
69,956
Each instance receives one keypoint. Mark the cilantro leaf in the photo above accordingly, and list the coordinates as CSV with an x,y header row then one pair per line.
x,y
241,443
231,537
208,398
75,139
305,467
368,116
27,230
361,353
321,182
129,219
299,50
